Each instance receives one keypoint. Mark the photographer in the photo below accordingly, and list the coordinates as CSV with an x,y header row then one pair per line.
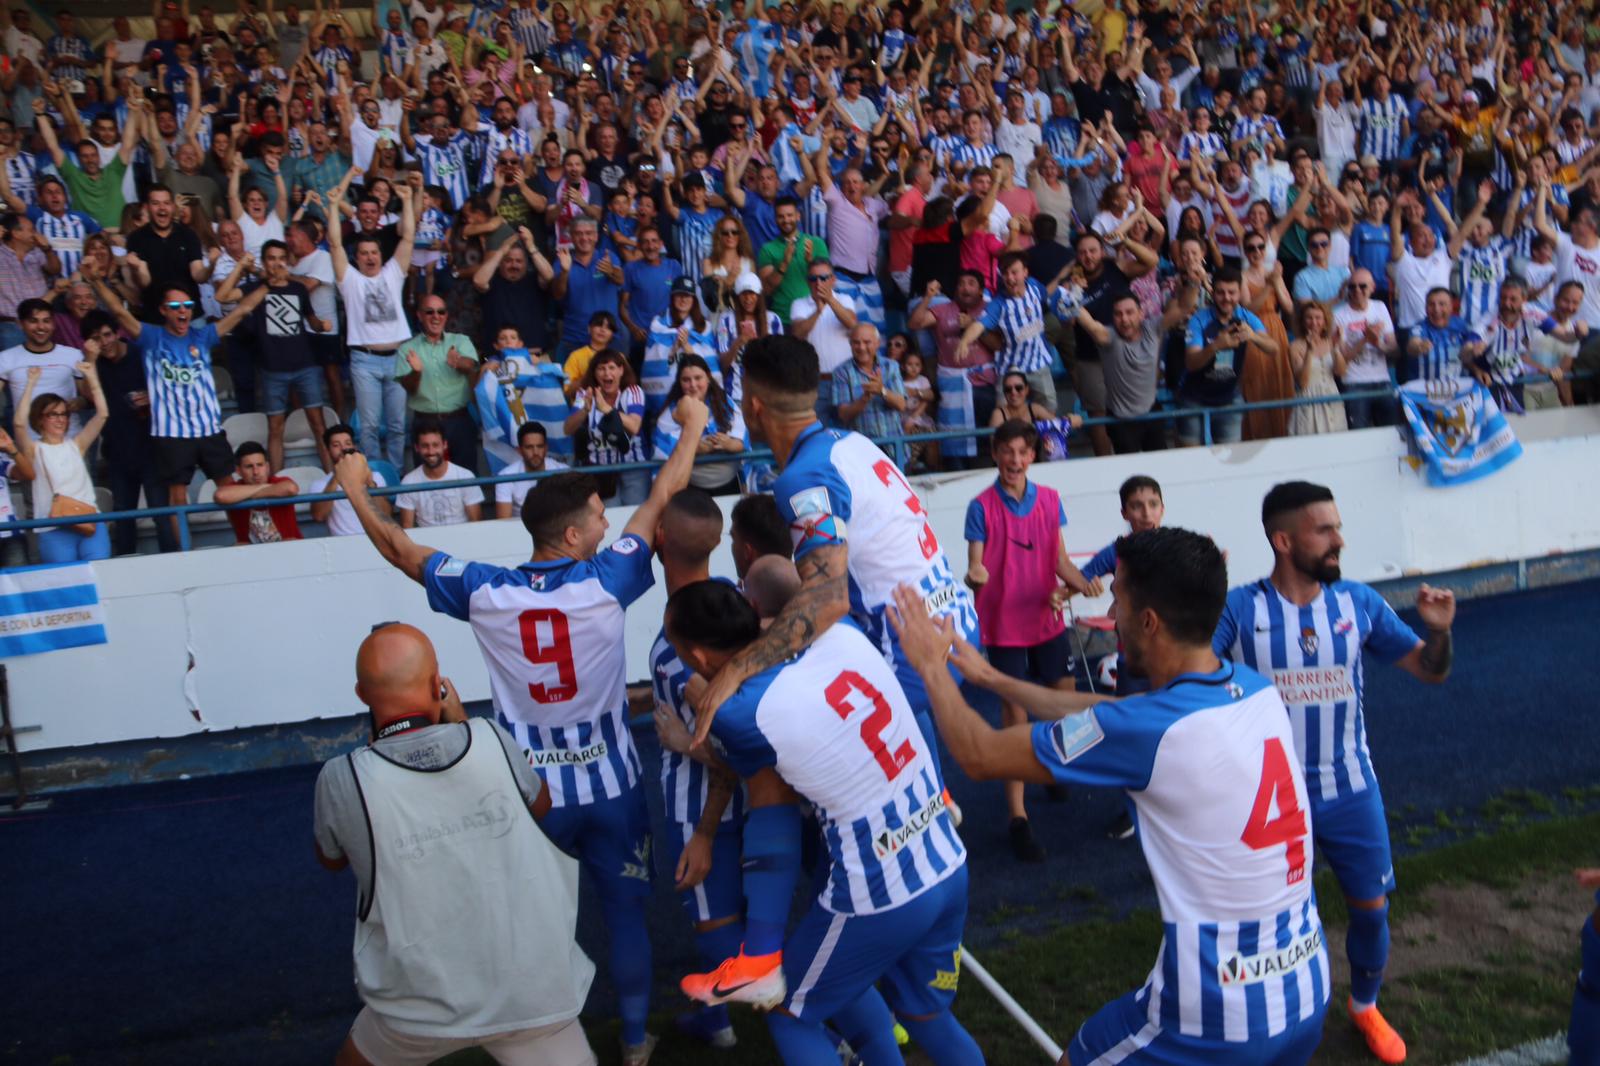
x,y
466,913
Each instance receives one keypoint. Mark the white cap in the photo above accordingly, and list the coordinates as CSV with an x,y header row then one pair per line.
x,y
746,283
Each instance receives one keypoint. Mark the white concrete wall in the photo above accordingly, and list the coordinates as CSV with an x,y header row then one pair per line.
x,y
267,634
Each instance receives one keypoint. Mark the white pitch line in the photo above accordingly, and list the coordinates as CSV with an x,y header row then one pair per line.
x,y
1545,1052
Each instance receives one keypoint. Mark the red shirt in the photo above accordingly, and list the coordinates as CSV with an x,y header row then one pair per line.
x,y
264,525
911,204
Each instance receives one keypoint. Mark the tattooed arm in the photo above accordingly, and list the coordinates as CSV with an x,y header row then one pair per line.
x,y
1430,660
694,863
823,599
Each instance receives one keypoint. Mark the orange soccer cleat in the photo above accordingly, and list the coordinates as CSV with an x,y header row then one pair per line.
x,y
1381,1038
753,979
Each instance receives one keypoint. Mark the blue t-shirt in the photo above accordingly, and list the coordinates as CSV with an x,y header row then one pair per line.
x,y
1217,383
588,291
649,289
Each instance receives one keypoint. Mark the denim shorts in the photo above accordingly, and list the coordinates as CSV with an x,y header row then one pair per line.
x,y
306,383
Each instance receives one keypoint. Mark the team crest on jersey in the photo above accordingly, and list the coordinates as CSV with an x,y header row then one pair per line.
x,y
1308,641
451,568
1074,735
1343,626
1235,691
536,582
625,546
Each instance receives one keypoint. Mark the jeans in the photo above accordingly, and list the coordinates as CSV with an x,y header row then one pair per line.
x,y
380,402
125,483
1226,428
306,383
1364,413
65,546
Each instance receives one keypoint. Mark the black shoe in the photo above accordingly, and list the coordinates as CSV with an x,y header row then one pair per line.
x,y
1056,793
1121,827
1023,846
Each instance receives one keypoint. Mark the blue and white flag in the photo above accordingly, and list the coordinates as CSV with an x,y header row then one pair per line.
x,y
784,157
519,389
47,608
955,412
1457,430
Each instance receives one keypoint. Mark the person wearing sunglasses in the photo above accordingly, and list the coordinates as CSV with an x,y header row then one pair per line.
x,y
825,318
1318,280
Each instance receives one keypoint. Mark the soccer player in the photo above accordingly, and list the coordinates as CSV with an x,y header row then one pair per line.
x,y
1018,565
1583,1030
1307,628
1207,758
894,900
551,632
703,809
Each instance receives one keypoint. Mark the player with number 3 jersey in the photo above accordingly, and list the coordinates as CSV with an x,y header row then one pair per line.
x,y
1306,629
551,634
1207,757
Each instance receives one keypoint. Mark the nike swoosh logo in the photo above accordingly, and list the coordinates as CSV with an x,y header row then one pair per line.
x,y
1264,628
718,990
1028,544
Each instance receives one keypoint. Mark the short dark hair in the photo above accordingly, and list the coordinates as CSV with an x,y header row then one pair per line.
x,y
1227,274
1135,484
782,364
1178,574
786,201
1044,227
528,429
30,307
267,246
554,503
247,449
712,614
333,430
426,424
1011,259
1015,429
757,521
1288,497
157,187
95,321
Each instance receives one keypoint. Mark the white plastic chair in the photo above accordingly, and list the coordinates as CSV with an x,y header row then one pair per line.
x,y
242,427
224,382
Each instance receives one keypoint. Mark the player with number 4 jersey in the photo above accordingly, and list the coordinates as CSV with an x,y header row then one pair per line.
x,y
833,726
551,634
1207,757
1306,629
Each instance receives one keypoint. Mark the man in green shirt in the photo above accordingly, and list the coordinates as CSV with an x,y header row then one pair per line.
x,y
95,190
783,263
437,370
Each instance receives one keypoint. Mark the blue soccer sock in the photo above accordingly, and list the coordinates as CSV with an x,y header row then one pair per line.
x,y
868,1027
802,1043
714,946
943,1040
771,868
1366,945
628,955
1583,1030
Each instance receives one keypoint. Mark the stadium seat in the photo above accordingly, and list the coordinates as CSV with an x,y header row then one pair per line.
x,y
304,476
242,427
384,467
297,429
224,382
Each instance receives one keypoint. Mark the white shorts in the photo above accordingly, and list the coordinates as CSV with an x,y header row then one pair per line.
x,y
560,1044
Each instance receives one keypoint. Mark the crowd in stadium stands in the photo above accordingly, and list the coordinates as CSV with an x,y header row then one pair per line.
x,y
495,237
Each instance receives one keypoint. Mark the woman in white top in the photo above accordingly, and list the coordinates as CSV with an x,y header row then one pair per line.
x,y
725,433
258,222
745,319
61,483
1317,359
731,258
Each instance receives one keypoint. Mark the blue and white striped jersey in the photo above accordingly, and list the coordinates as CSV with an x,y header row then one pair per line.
x,y
1221,808
660,364
684,782
1482,271
183,394
1020,321
65,234
533,31
1206,145
446,165
22,171
814,211
859,757
1380,125
839,488
493,141
966,154
1442,360
1526,232
1256,130
551,637
1313,656
691,238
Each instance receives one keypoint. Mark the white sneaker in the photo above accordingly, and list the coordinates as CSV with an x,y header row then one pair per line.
x,y
639,1054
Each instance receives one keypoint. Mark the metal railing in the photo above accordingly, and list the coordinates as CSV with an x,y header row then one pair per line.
x,y
898,444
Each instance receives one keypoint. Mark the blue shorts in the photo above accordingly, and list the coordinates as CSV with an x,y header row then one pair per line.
x,y
721,894
1121,1032
611,838
306,383
1353,835
1044,663
830,960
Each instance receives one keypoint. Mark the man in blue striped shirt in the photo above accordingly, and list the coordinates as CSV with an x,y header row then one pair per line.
x,y
1306,628
1016,315
1441,345
1385,120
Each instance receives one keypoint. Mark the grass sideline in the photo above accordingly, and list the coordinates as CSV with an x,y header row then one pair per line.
x,y
1447,1012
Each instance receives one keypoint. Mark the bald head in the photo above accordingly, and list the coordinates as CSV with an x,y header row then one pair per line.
x,y
690,529
397,673
771,582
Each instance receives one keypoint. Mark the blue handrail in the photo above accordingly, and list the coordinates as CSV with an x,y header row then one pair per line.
x,y
899,443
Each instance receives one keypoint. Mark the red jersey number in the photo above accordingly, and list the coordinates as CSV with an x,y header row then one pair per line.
x,y
838,697
888,474
1289,827
553,648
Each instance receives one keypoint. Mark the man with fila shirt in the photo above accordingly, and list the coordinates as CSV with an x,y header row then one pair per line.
x,y
1017,563
893,902
831,482
550,632
703,805
1242,974
1307,629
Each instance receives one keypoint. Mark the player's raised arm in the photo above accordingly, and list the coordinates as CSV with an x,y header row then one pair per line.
x,y
1430,660
403,553
983,752
1040,701
692,416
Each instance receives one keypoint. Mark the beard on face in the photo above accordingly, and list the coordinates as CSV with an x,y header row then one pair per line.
x,y
1325,567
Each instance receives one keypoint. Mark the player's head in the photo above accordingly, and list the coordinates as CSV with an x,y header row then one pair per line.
x,y
708,623
1168,595
780,383
397,673
1142,505
769,584
1015,446
758,530
690,528
565,517
1302,524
